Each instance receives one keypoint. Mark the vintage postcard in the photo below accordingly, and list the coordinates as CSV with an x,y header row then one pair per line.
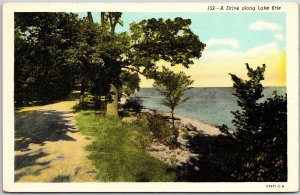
x,y
150,97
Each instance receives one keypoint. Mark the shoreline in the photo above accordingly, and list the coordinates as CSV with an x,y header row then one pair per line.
x,y
181,155
205,128
201,126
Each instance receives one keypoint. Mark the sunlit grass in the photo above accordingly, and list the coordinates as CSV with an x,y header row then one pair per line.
x,y
28,108
114,154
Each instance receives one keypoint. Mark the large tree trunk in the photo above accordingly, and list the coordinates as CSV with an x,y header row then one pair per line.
x,y
82,91
112,107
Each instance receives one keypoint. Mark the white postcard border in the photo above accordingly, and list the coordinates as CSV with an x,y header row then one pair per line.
x,y
292,61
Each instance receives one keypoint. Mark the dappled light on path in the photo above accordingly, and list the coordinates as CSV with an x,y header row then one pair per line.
x,y
48,146
40,126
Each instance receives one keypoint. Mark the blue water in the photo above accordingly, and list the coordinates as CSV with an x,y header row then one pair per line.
x,y
212,105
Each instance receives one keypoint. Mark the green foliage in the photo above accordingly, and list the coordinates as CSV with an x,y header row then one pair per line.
x,y
90,103
261,131
248,93
172,86
84,56
134,104
41,70
114,46
97,57
169,40
215,162
157,126
130,82
57,51
114,153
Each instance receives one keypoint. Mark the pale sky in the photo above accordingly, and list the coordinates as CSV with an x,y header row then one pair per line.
x,y
232,40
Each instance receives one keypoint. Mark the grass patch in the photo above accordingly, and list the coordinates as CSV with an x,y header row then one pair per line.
x,y
114,153
28,108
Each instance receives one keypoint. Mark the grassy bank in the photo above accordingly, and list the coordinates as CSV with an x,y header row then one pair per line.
x,y
114,153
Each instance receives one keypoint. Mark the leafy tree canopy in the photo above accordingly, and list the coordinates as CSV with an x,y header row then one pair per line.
x,y
172,86
159,39
41,70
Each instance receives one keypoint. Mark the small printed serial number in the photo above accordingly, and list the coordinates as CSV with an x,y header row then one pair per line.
x,y
274,186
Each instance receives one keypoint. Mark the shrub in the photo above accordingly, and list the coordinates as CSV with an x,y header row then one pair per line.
x,y
134,104
142,139
157,126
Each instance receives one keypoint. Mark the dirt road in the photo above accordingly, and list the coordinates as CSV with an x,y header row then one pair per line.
x,y
49,147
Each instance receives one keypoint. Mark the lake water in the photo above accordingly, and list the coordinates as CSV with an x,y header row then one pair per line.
x,y
212,105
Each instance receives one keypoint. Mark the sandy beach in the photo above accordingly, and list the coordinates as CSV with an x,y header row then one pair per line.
x,y
205,128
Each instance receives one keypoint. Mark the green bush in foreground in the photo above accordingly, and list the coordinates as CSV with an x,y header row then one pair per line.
x,y
114,153
157,126
261,131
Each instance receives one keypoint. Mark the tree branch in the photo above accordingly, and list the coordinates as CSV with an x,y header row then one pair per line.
x,y
135,70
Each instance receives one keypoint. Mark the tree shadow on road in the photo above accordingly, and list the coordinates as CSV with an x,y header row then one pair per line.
x,y
214,162
40,126
30,172
37,127
30,159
